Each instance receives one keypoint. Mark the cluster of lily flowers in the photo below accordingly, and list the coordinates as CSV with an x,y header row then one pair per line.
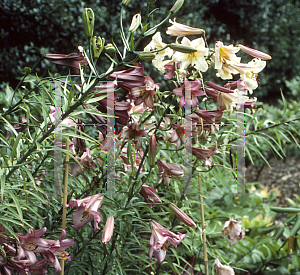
x,y
141,94
31,254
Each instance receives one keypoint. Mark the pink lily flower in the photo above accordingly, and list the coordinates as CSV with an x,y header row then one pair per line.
x,y
194,86
108,230
149,194
86,161
145,92
203,154
135,133
87,210
167,170
159,239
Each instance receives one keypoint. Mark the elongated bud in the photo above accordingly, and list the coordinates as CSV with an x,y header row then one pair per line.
x,y
135,23
182,48
109,48
219,88
98,45
108,229
88,22
125,2
182,216
147,56
27,70
152,150
254,53
177,6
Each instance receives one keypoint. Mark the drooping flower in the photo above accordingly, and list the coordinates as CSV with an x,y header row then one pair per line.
x,y
194,90
203,154
180,30
87,210
134,132
167,170
233,230
108,230
157,44
145,92
182,216
159,238
86,161
72,60
196,59
149,194
223,269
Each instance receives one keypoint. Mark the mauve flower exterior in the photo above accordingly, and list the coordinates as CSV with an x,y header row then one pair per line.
x,y
86,161
159,238
108,230
134,132
167,170
189,267
182,216
233,230
203,154
223,269
180,30
72,60
149,194
87,210
194,87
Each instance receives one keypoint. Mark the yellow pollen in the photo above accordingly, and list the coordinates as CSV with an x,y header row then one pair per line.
x,y
253,75
164,247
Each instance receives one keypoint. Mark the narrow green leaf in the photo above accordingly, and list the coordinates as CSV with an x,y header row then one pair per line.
x,y
285,209
296,227
16,144
2,186
17,204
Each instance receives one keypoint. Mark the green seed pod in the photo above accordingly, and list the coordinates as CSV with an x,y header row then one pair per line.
x,y
182,48
98,45
147,56
88,22
109,48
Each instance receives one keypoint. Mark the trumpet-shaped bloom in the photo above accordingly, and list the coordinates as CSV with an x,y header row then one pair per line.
x,y
145,92
196,59
223,269
167,170
157,44
159,238
180,30
224,57
233,230
256,65
87,210
194,90
203,154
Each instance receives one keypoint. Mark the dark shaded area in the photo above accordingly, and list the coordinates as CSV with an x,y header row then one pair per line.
x,y
30,29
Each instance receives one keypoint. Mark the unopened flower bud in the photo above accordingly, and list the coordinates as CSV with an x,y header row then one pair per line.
x,y
88,22
147,56
109,48
177,6
108,229
182,48
152,150
125,2
98,45
254,53
135,23
27,71
182,216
